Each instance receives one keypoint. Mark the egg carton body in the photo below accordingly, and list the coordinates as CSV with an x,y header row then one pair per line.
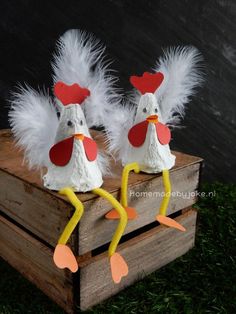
x,y
80,174
152,156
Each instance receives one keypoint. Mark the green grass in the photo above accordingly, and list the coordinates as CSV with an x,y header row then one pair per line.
x,y
202,281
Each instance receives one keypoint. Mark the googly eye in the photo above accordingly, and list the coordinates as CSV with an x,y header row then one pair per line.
x,y
69,123
81,122
156,110
144,110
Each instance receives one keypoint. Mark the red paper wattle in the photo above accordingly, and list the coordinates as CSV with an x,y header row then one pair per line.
x,y
137,134
90,148
70,94
163,133
148,82
60,153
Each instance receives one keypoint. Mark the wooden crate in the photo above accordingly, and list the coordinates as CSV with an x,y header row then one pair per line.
x,y
32,219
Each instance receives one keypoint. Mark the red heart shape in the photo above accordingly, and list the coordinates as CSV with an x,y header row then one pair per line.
x,y
137,134
70,94
60,153
148,82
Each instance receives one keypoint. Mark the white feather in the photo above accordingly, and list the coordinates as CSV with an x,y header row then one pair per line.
x,y
182,74
79,59
181,70
33,120
117,127
103,163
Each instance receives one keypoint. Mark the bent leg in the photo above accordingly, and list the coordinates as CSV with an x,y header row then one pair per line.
x,y
63,256
131,212
118,265
161,218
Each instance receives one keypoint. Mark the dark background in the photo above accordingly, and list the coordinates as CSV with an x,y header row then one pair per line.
x,y
135,33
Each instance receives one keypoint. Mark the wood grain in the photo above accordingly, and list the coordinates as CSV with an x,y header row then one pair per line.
x,y
45,213
93,284
184,181
144,254
34,261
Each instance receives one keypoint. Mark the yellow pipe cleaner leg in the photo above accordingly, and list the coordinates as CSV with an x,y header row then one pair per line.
x,y
63,256
118,265
79,210
131,212
167,221
167,187
124,181
122,215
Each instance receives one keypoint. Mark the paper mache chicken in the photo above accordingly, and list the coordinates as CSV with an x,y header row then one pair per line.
x,y
84,93
139,134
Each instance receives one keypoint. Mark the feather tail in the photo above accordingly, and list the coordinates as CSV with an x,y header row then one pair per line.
x,y
33,120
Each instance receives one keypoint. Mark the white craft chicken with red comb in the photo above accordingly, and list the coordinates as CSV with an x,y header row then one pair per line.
x,y
139,134
84,94
73,157
149,138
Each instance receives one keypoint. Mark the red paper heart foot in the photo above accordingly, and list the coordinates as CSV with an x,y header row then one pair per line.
x,y
131,213
169,222
119,267
64,258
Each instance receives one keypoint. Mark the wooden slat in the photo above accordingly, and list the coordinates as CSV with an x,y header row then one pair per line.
x,y
11,161
36,210
144,254
45,213
184,181
34,261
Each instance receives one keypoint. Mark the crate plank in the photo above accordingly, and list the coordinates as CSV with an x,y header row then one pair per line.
x,y
184,181
35,209
45,213
144,254
34,261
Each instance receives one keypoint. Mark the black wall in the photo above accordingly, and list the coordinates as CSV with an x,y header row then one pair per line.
x,y
135,33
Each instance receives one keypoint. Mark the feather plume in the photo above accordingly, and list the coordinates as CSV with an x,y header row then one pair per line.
x,y
79,59
117,127
34,122
182,74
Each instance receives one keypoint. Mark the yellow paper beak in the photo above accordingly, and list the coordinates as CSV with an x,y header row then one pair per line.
x,y
79,136
152,119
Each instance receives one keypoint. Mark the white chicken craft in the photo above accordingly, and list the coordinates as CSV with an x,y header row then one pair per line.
x,y
84,94
139,134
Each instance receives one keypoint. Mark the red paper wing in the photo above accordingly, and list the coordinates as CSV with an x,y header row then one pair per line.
x,y
60,153
90,148
137,134
163,133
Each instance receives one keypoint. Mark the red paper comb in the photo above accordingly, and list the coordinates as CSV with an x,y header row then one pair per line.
x,y
70,94
148,82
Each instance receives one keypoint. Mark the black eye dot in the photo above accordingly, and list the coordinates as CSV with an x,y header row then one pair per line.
x,y
69,123
156,110
81,122
58,114
144,110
